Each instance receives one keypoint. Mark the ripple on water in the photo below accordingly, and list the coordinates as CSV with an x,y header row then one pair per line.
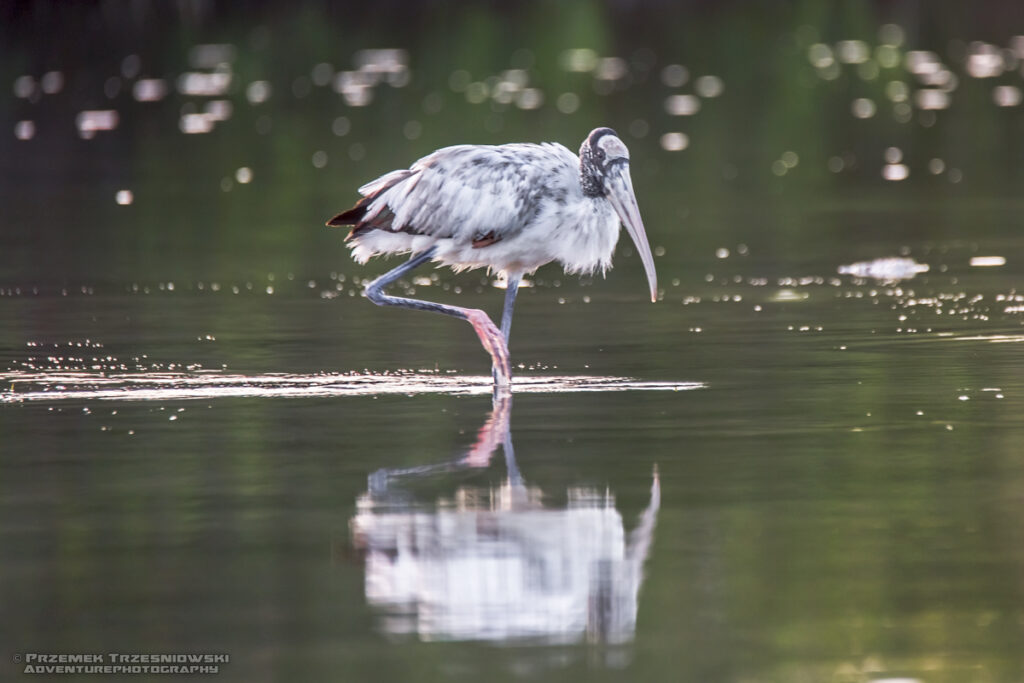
x,y
58,386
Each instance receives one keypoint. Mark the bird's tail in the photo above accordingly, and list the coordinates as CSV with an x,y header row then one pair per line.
x,y
381,217
352,216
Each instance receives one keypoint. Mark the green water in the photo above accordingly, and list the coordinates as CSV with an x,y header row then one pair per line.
x,y
199,411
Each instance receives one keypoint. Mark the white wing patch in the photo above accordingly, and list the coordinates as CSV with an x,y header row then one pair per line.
x,y
466,191
385,180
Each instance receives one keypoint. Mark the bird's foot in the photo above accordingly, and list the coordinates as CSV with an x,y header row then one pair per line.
x,y
494,343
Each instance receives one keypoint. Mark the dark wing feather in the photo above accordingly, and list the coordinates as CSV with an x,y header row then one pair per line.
x,y
380,220
351,216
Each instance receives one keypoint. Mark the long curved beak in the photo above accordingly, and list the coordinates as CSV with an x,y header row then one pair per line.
x,y
620,194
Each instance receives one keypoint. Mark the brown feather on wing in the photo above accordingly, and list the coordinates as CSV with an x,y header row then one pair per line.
x,y
383,220
486,240
351,216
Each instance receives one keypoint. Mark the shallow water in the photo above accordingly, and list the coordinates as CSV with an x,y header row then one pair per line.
x,y
838,487
802,463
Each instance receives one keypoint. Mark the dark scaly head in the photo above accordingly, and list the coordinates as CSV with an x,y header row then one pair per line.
x,y
601,149
604,172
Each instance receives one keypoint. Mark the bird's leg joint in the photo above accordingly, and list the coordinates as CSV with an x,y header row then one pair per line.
x,y
375,292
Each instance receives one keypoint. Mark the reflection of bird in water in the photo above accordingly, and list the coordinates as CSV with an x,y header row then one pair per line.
x,y
496,564
510,208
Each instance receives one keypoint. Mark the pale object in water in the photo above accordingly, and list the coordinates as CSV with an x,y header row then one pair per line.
x,y
893,268
987,261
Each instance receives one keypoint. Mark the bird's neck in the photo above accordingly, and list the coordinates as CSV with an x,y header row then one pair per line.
x,y
590,181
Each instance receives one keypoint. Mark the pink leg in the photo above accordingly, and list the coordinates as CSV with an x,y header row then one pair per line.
x,y
494,343
490,336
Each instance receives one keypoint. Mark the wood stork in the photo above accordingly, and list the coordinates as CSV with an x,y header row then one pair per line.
x,y
510,208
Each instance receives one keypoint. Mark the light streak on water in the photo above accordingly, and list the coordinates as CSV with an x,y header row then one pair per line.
x,y
567,102
611,68
682,105
24,130
675,141
579,60
21,387
931,99
218,110
895,171
1006,95
530,98
52,82
675,75
205,85
985,61
993,338
258,92
382,60
863,108
820,55
922,62
211,55
24,87
192,124
853,51
709,86
149,90
90,121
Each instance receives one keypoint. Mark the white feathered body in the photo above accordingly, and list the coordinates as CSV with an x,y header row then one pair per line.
x,y
511,208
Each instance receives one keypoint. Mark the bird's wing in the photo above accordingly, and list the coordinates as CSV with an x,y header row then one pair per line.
x,y
472,193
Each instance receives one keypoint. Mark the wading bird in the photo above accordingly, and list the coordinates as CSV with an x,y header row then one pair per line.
x,y
509,208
